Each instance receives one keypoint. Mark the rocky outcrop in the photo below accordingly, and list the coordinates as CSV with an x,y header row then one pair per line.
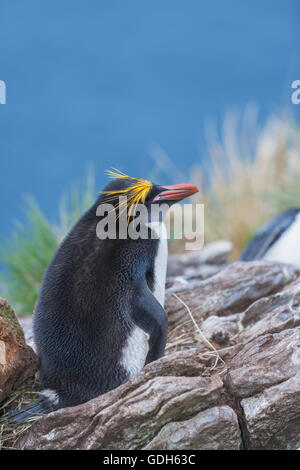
x,y
266,374
230,291
230,381
130,416
216,428
272,417
17,360
266,361
213,255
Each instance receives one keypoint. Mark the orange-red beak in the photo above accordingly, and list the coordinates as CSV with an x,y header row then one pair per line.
x,y
176,192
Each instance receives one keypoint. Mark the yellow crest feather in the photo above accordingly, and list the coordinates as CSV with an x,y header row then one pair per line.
x,y
135,193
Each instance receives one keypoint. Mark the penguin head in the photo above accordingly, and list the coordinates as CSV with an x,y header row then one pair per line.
x,y
170,194
140,191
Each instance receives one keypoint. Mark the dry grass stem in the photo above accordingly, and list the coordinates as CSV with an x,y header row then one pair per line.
x,y
213,351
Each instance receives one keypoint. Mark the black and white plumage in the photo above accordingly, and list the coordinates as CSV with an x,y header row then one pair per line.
x,y
99,317
278,240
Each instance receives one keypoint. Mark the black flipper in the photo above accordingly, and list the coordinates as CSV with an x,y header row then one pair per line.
x,y
30,412
268,235
149,315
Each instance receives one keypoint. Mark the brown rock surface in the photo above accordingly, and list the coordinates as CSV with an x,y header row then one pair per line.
x,y
129,416
215,253
273,417
230,291
244,396
17,360
265,361
273,314
216,428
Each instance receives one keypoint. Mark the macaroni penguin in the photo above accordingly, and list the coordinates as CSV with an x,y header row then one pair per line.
x,y
100,313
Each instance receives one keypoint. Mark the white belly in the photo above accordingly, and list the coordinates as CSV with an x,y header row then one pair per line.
x,y
135,351
287,248
160,264
136,348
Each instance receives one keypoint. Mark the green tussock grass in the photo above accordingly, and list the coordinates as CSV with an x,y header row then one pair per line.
x,y
25,256
26,393
252,173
